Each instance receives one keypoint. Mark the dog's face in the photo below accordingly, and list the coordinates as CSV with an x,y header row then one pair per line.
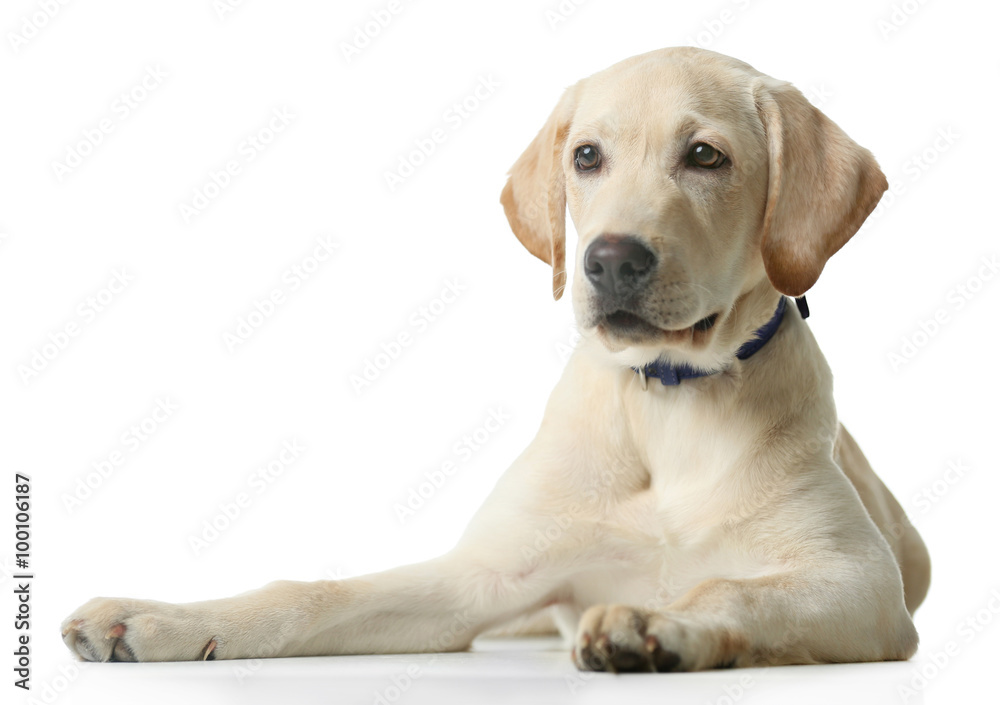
x,y
665,187
693,182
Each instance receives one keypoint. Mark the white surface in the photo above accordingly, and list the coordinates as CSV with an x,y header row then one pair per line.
x,y
505,671
331,513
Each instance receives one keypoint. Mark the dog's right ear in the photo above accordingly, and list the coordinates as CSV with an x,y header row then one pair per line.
x,y
534,198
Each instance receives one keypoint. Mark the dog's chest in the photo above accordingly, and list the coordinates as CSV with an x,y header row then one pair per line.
x,y
660,546
692,444
676,532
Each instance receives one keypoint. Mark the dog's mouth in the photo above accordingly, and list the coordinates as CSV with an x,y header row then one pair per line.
x,y
629,326
706,323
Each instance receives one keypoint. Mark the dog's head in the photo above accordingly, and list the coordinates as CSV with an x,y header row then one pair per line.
x,y
697,185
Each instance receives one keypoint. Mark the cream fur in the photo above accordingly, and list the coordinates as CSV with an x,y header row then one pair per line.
x,y
730,520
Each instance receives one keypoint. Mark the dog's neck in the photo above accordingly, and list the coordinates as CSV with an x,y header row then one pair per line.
x,y
672,375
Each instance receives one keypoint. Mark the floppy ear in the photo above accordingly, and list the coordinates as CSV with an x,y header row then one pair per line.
x,y
534,198
821,187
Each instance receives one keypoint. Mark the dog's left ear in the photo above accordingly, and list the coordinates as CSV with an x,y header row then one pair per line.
x,y
821,187
534,198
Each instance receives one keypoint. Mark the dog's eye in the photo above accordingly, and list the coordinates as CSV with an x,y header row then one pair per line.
x,y
706,156
587,158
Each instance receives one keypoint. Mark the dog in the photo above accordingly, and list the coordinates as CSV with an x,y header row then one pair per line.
x,y
691,500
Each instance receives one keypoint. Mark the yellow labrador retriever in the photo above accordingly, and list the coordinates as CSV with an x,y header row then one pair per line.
x,y
690,500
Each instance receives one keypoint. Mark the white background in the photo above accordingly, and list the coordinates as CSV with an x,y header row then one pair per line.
x,y
893,87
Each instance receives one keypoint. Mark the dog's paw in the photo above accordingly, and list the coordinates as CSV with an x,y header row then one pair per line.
x,y
112,629
622,639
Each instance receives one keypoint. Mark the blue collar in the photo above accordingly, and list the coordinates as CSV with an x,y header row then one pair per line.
x,y
671,375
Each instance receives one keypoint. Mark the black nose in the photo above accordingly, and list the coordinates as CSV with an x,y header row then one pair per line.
x,y
618,265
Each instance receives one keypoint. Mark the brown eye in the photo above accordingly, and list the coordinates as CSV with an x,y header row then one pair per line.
x,y
587,158
706,156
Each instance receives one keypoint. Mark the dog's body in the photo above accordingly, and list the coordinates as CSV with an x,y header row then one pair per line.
x,y
719,521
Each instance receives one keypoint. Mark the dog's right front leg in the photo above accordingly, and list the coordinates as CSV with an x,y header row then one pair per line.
x,y
440,605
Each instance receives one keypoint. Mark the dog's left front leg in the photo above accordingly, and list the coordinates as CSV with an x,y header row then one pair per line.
x,y
827,613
